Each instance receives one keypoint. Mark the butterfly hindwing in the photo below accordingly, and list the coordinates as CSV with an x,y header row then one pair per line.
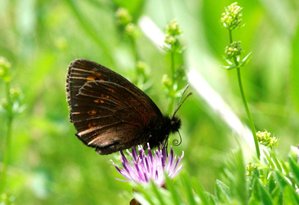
x,y
108,111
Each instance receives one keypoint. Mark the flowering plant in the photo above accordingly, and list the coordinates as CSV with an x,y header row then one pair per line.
x,y
147,165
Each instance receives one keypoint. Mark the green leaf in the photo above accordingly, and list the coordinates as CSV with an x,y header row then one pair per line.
x,y
269,160
294,71
157,193
264,195
173,191
281,179
235,176
273,188
245,59
277,162
222,191
229,67
254,201
189,191
290,196
144,195
294,169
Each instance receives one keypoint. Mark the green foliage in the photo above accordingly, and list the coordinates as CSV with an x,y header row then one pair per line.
x,y
269,184
42,162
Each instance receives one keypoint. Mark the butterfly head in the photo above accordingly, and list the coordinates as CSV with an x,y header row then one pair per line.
x,y
175,124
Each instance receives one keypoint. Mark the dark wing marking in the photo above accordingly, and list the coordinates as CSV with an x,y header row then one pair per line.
x,y
108,111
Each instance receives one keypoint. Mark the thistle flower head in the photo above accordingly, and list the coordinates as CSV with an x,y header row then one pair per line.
x,y
143,166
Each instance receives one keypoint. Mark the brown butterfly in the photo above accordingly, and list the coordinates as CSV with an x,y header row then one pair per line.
x,y
110,113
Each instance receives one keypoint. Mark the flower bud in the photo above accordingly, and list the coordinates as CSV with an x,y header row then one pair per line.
x,y
231,18
266,139
131,30
166,81
123,16
4,69
233,50
173,29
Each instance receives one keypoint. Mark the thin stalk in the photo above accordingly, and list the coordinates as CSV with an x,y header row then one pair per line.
x,y
172,64
251,123
7,138
134,49
136,58
172,70
250,119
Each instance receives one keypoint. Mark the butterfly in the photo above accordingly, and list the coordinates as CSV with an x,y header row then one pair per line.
x,y
110,113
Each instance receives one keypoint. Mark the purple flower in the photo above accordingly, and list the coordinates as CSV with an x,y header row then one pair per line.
x,y
144,166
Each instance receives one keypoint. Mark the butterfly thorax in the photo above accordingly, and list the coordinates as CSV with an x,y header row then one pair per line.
x,y
175,124
158,130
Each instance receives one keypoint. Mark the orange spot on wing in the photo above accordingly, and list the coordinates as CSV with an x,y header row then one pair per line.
x,y
90,78
92,112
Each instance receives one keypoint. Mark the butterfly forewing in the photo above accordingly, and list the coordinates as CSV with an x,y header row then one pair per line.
x,y
109,112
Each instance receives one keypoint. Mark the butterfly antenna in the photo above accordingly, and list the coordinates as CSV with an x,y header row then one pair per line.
x,y
185,89
177,142
183,99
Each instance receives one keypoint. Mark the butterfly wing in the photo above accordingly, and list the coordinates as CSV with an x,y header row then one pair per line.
x,y
108,112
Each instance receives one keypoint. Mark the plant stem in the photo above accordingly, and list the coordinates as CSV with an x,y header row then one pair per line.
x,y
251,123
250,119
7,147
172,70
134,49
172,64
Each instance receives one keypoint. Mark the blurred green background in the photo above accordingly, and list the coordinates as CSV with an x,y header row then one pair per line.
x,y
40,38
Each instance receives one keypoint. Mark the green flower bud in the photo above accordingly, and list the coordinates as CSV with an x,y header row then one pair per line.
x,y
15,94
173,29
231,18
131,30
166,81
266,139
123,16
172,42
4,69
142,67
233,50
250,168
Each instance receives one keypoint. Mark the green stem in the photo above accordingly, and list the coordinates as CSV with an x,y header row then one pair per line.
x,y
136,57
7,147
134,49
172,70
172,65
251,122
